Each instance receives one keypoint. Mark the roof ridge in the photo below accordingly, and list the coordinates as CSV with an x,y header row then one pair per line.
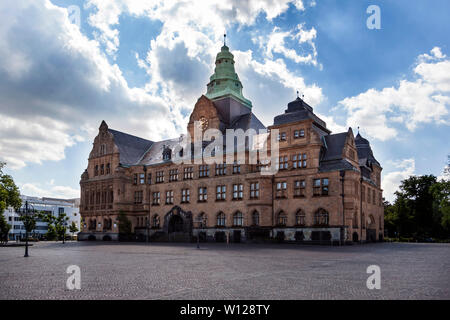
x,y
131,135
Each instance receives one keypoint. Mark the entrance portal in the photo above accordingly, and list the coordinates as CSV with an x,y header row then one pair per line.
x,y
175,224
178,225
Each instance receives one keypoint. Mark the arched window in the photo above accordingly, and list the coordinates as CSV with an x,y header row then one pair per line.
x,y
321,217
371,221
221,219
255,218
155,221
282,218
300,218
355,220
203,218
238,219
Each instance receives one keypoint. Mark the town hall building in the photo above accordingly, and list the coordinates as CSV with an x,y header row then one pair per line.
x,y
327,187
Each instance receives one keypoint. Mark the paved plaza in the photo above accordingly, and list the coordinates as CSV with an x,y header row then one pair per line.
x,y
220,271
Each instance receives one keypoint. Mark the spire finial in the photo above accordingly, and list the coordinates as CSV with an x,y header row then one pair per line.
x,y
297,94
224,39
358,129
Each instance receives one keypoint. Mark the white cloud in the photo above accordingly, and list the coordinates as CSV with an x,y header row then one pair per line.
x,y
410,103
275,42
63,83
50,191
391,181
57,85
265,82
187,17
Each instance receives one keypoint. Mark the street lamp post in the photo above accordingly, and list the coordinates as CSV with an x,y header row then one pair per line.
x,y
25,211
199,222
342,174
148,229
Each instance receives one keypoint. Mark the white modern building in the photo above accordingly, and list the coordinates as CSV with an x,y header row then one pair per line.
x,y
52,205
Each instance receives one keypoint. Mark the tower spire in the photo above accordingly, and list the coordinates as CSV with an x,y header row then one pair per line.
x,y
225,81
224,39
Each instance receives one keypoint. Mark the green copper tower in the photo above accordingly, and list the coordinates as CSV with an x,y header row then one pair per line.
x,y
225,81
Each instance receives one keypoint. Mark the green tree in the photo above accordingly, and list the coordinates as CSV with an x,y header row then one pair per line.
x,y
9,197
415,206
51,233
73,228
29,222
4,229
124,226
441,206
57,225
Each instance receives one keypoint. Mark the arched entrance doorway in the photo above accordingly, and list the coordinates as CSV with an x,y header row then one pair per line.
x,y
178,225
175,224
371,233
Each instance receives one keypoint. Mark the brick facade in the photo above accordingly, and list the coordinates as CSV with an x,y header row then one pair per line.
x,y
304,201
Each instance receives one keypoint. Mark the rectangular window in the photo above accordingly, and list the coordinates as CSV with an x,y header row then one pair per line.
x,y
149,178
202,194
108,168
299,160
96,170
188,173
173,175
138,197
135,178
142,178
282,136
373,196
238,191
221,169
281,189
299,133
156,198
254,190
159,176
283,163
203,171
236,167
102,169
169,197
320,187
185,196
221,193
299,188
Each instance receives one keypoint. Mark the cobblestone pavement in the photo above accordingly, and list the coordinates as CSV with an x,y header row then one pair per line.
x,y
220,271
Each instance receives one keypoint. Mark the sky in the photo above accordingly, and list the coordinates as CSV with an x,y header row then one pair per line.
x,y
66,65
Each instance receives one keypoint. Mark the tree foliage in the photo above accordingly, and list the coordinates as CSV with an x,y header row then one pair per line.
x,y
124,224
421,209
57,225
73,228
9,197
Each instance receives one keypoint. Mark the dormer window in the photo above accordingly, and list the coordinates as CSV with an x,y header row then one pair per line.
x,y
167,154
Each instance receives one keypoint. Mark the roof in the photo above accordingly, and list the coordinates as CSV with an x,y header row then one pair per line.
x,y
247,121
334,146
331,158
298,110
155,154
131,148
341,164
364,150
